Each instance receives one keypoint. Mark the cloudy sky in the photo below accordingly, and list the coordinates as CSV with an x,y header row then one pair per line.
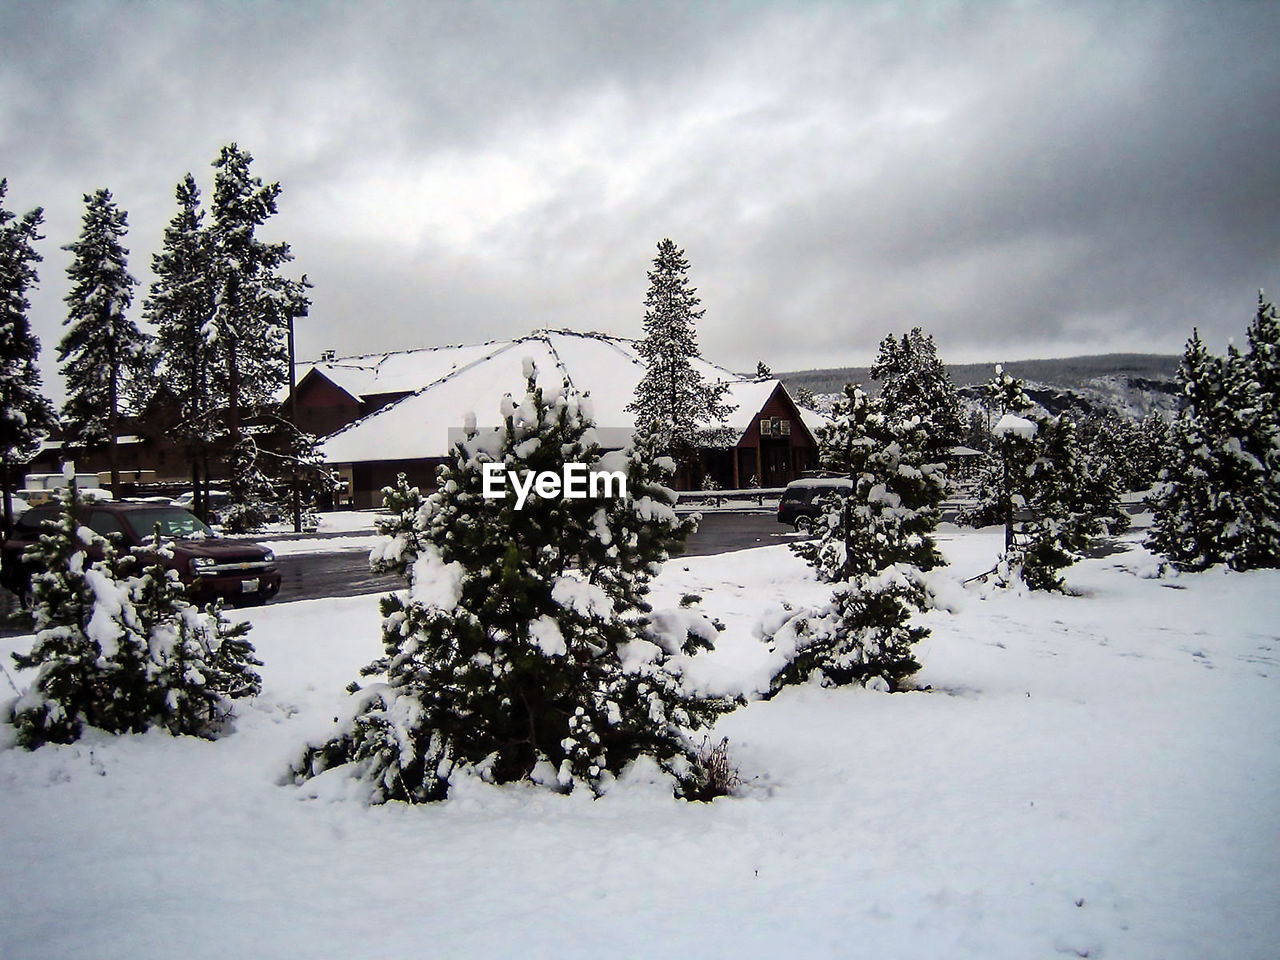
x,y
1022,180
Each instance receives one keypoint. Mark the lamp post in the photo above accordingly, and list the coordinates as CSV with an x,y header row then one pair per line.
x,y
293,422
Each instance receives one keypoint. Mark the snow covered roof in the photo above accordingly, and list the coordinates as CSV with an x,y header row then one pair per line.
x,y
402,371
449,382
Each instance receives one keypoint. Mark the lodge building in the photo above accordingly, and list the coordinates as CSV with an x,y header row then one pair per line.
x,y
401,412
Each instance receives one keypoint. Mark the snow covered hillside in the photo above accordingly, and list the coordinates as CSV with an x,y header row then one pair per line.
x,y
1093,776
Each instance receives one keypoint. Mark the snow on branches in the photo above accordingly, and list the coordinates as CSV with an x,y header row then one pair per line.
x,y
1219,500
875,543
121,649
1053,497
523,647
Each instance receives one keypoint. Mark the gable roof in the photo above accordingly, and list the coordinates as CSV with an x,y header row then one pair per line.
x,y
449,382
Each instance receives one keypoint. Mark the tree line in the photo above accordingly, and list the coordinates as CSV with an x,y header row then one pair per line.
x,y
220,311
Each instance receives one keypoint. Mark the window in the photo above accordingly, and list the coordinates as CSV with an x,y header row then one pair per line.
x,y
172,521
106,524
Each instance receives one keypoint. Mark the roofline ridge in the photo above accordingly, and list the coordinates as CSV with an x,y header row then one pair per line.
x,y
564,369
537,332
384,354
505,345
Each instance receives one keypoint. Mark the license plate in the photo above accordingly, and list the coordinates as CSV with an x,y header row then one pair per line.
x,y
248,586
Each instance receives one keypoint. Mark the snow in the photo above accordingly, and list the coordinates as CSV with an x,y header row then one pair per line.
x,y
546,634
436,583
1092,775
343,530
1018,426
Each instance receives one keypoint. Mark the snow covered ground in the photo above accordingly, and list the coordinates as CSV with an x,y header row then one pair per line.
x,y
1095,776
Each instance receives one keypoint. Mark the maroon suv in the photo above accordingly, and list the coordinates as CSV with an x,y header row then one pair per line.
x,y
236,570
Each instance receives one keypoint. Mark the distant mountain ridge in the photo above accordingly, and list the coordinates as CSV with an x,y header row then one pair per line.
x,y
1133,383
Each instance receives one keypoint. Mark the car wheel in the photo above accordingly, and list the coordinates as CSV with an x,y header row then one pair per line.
x,y
804,525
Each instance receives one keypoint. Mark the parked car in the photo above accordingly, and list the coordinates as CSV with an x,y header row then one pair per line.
x,y
801,502
211,567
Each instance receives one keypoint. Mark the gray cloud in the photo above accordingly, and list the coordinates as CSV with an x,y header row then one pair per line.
x,y
1019,179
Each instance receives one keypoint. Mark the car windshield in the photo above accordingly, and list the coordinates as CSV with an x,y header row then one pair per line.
x,y
172,521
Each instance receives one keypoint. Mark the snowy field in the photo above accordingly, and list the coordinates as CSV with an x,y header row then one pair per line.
x,y
1094,776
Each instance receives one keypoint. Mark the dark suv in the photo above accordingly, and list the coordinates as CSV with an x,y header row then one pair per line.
x,y
211,567
801,502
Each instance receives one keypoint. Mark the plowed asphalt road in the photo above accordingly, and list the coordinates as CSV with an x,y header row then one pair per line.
x,y
310,576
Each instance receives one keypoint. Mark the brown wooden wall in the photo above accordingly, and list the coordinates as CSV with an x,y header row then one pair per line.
x,y
323,406
370,477
773,461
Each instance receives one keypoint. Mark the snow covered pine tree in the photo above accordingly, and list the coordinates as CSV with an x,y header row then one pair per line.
x,y
523,649
103,350
253,303
916,384
180,304
26,415
875,543
1220,497
122,651
1035,481
672,398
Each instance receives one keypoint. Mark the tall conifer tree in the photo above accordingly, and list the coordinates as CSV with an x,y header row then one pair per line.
x,y
253,306
103,348
26,415
672,398
1220,497
180,305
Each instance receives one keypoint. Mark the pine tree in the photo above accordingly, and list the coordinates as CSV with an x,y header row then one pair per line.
x,y
253,307
199,661
805,398
181,306
1058,523
875,543
1219,501
295,472
896,493
1125,452
253,504
1187,514
120,650
1149,451
916,384
1108,466
26,415
1052,500
672,397
74,683
103,349
1261,440
516,649
1010,453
